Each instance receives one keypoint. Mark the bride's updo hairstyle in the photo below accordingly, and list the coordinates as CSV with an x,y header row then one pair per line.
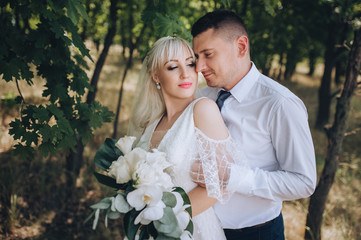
x,y
148,101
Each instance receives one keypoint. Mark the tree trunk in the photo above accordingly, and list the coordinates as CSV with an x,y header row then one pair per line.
x,y
291,60
312,62
280,65
335,139
324,98
289,71
339,71
107,43
74,162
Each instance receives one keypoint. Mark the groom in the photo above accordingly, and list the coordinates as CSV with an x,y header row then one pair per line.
x,y
267,121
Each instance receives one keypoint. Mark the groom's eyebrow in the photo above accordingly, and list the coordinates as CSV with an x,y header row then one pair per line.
x,y
203,51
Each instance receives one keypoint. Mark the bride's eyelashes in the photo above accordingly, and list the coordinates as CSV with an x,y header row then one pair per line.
x,y
170,68
191,64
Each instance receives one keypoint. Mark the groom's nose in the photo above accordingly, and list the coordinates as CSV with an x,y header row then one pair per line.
x,y
200,65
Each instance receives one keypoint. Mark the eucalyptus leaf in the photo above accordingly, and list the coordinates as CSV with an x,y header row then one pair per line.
x,y
95,222
102,204
168,223
89,217
106,218
121,204
114,215
169,199
106,154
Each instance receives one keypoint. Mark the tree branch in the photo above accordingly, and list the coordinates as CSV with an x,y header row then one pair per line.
x,y
22,99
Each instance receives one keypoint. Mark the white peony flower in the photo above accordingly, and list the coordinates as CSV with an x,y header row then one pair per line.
x,y
146,175
123,168
165,181
125,144
119,170
135,158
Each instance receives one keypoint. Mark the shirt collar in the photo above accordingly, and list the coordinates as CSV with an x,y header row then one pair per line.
x,y
240,90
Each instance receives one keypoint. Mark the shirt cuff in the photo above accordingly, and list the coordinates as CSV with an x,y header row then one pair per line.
x,y
241,180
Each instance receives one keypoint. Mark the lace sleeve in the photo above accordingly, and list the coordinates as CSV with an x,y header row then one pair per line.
x,y
212,162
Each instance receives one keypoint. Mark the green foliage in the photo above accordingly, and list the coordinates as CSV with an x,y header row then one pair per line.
x,y
170,25
106,154
53,46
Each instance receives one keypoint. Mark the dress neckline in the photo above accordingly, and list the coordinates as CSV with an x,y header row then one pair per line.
x,y
171,128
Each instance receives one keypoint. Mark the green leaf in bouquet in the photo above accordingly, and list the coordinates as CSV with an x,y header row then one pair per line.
x,y
109,181
186,199
106,154
151,230
164,237
121,205
169,199
129,227
144,233
89,217
168,224
114,215
105,203
190,227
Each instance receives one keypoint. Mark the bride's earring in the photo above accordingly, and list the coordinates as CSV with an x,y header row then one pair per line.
x,y
158,85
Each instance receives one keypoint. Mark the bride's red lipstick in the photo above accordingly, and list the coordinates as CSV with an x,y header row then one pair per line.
x,y
185,85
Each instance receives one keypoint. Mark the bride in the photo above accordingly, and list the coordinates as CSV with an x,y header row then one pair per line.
x,y
167,116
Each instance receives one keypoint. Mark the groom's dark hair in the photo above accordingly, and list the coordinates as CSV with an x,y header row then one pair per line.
x,y
226,22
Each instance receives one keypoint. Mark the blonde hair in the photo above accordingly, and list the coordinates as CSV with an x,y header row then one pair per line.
x,y
148,101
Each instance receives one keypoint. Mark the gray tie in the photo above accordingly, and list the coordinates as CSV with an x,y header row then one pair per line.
x,y
223,95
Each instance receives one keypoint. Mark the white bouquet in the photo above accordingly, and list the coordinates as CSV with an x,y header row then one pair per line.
x,y
152,206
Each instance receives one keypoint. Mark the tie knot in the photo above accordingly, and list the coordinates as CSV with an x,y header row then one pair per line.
x,y
223,95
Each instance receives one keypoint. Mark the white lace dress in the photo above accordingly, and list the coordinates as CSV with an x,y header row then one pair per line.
x,y
182,144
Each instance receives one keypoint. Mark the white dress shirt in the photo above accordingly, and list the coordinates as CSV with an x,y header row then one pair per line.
x,y
270,125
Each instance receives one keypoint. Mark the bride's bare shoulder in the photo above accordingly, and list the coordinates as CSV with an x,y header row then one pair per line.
x,y
208,119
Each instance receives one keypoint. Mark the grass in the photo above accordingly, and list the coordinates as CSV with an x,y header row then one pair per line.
x,y
36,188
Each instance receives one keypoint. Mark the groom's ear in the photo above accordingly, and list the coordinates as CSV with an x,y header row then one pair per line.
x,y
242,45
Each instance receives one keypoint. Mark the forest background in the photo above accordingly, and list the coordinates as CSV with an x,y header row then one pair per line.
x,y
68,72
